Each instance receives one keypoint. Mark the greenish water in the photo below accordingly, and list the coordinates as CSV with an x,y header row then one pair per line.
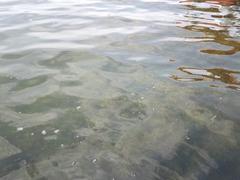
x,y
119,90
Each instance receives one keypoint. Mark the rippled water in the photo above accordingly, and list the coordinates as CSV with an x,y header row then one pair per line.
x,y
119,90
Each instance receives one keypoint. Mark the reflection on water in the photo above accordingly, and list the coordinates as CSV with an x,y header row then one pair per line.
x,y
229,77
85,91
226,2
220,24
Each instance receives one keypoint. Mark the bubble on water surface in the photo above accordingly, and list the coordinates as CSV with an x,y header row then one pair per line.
x,y
44,132
20,129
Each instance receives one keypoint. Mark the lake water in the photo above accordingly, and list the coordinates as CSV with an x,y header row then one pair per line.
x,y
119,90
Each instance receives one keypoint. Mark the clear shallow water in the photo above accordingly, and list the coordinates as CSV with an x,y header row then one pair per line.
x,y
119,90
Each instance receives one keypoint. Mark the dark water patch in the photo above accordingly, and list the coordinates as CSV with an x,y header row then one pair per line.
x,y
12,163
73,119
205,155
6,79
224,104
11,56
118,67
59,61
35,145
225,153
135,110
56,100
22,84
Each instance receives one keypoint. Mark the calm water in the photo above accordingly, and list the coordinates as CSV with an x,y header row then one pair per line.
x,y
119,90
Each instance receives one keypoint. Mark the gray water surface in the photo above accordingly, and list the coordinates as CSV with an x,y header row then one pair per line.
x,y
119,90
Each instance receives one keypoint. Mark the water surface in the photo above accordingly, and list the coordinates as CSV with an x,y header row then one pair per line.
x,y
119,90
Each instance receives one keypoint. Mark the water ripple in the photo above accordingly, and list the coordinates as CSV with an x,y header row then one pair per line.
x,y
119,89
